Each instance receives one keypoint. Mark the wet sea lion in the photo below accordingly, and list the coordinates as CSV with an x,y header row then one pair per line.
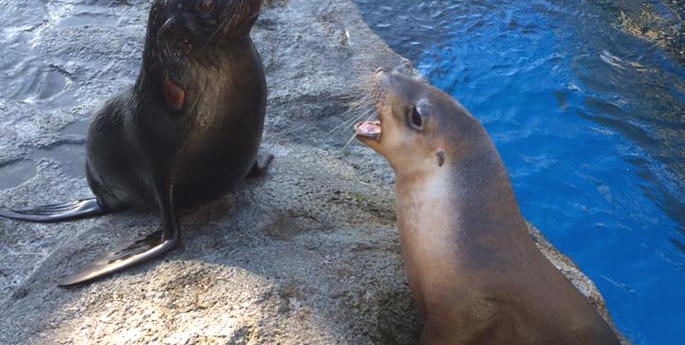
x,y
474,272
187,131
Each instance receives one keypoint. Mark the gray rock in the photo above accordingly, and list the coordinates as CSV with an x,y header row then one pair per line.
x,y
307,255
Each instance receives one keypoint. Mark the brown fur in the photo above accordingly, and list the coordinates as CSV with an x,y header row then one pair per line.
x,y
475,274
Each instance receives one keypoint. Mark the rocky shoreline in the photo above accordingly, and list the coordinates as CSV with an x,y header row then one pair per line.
x,y
307,255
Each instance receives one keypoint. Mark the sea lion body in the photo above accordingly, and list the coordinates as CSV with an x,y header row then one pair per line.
x,y
185,133
209,146
475,274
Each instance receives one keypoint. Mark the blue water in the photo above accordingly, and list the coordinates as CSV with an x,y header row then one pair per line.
x,y
585,101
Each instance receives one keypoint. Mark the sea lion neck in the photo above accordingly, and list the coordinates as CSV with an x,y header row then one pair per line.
x,y
487,197
188,71
469,202
156,57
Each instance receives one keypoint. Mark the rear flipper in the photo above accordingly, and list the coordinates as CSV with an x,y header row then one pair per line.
x,y
58,212
143,250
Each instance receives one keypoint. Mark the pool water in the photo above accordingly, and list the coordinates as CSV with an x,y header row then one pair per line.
x,y
585,101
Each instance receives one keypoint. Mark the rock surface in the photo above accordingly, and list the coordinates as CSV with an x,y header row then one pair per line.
x,y
306,255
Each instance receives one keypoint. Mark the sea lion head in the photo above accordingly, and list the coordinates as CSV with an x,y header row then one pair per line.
x,y
203,22
420,128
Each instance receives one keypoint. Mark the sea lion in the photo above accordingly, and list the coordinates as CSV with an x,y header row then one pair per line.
x,y
185,133
475,274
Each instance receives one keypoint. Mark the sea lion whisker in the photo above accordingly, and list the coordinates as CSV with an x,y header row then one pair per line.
x,y
255,15
344,124
355,134
360,111
243,9
362,108
360,115
165,27
219,28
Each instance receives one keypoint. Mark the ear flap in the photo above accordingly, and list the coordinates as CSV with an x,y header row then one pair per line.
x,y
441,157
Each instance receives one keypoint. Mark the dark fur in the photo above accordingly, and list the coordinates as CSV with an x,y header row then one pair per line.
x,y
138,143
185,133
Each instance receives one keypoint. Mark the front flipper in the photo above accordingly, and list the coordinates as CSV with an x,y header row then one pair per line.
x,y
261,165
143,250
57,212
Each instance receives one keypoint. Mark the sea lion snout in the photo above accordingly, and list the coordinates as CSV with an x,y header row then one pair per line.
x,y
409,132
205,21
420,126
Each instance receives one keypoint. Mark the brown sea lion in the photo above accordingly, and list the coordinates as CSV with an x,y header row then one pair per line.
x,y
185,133
474,272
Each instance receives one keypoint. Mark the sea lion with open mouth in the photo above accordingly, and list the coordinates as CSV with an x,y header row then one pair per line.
x,y
185,133
474,272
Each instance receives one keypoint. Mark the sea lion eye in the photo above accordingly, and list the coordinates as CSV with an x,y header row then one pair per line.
x,y
416,119
205,5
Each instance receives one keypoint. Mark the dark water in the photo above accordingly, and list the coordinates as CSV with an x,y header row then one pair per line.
x,y
585,101
45,74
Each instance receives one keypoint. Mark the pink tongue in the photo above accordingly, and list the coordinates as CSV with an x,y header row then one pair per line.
x,y
369,128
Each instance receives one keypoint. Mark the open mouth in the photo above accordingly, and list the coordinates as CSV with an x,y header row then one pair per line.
x,y
368,129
